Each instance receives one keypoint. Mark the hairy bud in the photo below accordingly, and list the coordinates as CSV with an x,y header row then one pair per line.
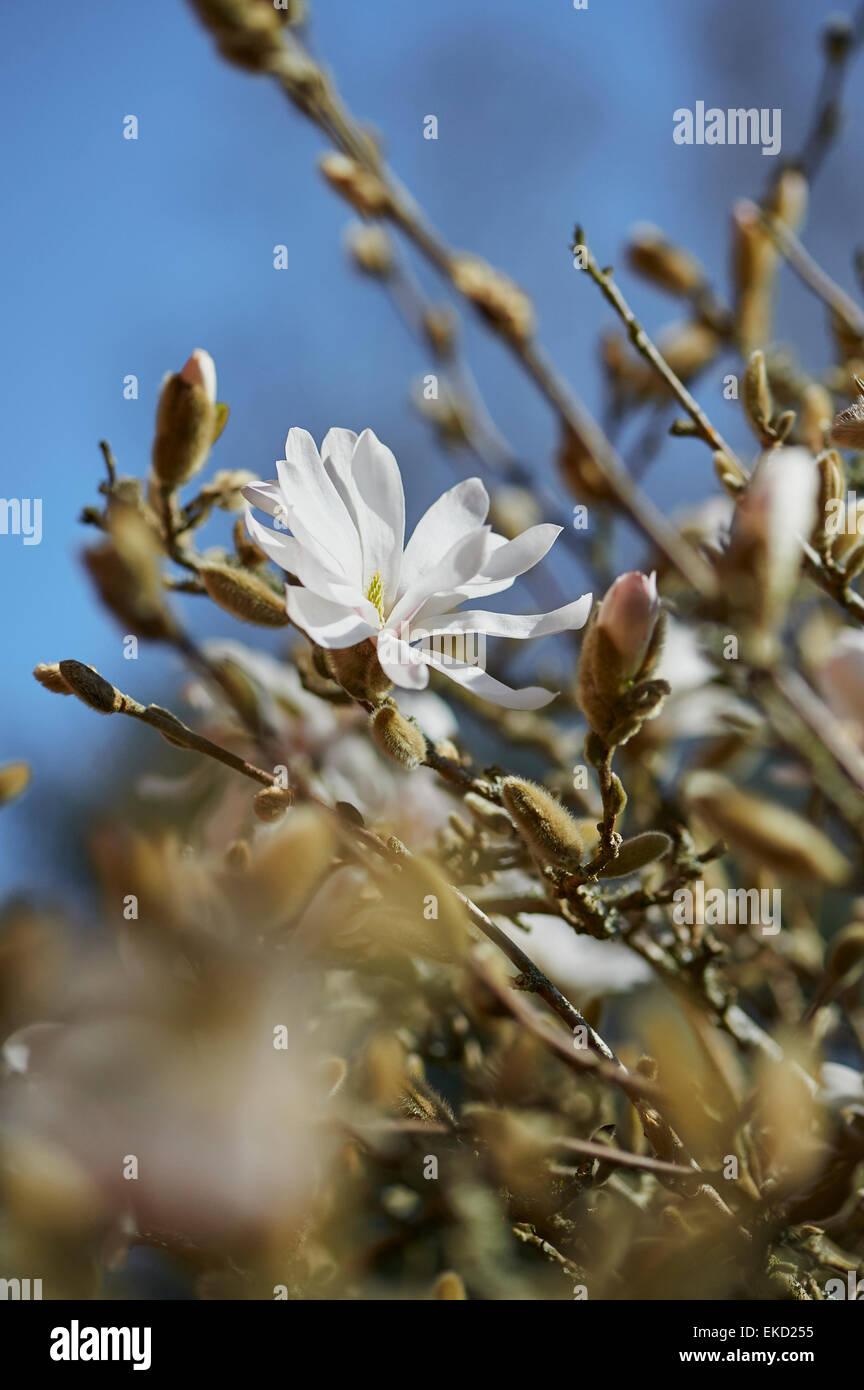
x,y
187,421
546,826
243,594
397,737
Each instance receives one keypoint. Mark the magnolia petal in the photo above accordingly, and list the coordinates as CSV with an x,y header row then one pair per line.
x,y
401,663
455,567
380,504
457,512
267,496
522,553
479,682
337,450
516,625
330,625
315,512
290,555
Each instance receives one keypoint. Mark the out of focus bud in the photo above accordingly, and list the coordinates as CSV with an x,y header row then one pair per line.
x,y
662,262
776,838
359,672
187,421
503,303
841,681
787,200
816,412
370,249
243,594
580,470
838,37
619,652
546,826
14,779
775,515
846,951
754,264
513,510
271,803
848,427
449,1286
126,572
366,193
399,739
832,488
758,402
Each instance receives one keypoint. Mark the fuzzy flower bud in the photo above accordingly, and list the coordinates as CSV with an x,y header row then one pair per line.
x,y
779,839
546,826
619,652
243,594
775,515
500,301
91,688
187,421
14,779
362,189
271,803
848,427
50,676
664,264
629,613
400,740
359,672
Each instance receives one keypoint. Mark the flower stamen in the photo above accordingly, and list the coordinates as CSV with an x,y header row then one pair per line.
x,y
375,593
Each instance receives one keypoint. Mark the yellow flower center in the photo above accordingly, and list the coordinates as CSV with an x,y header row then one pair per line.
x,y
375,593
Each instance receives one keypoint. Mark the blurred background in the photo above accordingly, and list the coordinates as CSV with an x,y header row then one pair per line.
x,y
120,257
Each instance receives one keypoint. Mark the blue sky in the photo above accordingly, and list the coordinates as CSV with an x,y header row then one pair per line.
x,y
121,256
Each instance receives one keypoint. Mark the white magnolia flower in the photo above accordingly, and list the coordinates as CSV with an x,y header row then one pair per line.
x,y
345,510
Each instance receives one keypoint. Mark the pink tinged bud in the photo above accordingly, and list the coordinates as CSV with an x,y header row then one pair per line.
x,y
200,370
779,509
841,679
628,614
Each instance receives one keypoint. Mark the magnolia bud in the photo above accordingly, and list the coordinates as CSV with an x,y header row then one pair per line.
x,y
636,852
91,688
619,652
358,671
500,301
545,825
757,398
370,249
777,838
628,613
449,1286
187,421
662,262
14,779
51,677
775,515
271,803
848,427
397,737
361,188
846,951
243,594
816,413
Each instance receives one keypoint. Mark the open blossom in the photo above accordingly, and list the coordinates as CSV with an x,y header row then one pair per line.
x,y
345,511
